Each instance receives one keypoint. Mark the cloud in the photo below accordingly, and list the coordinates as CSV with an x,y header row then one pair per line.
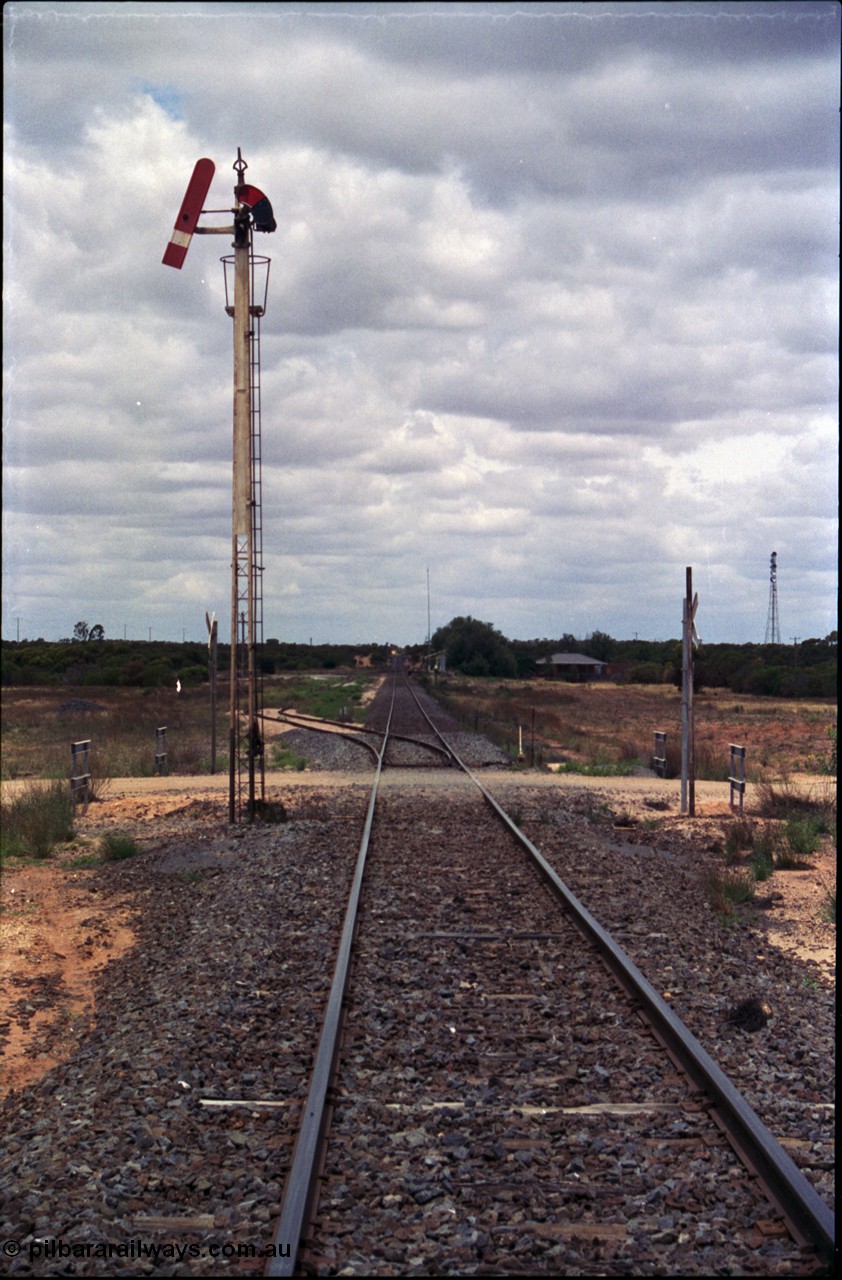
x,y
552,310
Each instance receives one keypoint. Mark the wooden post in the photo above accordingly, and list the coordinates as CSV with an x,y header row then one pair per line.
x,y
80,771
212,645
161,750
737,775
688,767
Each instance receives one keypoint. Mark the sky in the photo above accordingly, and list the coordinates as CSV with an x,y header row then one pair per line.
x,y
552,315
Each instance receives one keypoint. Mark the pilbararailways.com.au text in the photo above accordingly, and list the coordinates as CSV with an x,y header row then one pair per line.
x,y
137,1249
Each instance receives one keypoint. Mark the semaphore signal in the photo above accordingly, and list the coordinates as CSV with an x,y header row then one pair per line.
x,y
251,212
189,213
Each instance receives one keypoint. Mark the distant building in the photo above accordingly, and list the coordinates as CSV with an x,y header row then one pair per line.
x,y
571,666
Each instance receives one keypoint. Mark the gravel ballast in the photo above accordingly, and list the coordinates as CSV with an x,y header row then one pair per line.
x,y
220,1001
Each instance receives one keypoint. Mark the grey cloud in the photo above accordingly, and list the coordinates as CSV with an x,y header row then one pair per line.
x,y
552,307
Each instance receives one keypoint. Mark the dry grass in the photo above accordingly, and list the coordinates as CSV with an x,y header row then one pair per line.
x,y
739,836
598,727
602,724
40,724
780,797
40,817
727,887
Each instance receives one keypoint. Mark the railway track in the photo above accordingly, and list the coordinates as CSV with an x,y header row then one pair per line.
x,y
497,1089
372,739
537,1135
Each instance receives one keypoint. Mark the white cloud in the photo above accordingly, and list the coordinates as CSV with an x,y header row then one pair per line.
x,y
552,310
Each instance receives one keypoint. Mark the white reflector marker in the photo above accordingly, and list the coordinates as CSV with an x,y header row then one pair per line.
x,y
188,214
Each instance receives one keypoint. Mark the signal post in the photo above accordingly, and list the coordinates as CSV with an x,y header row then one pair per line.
x,y
251,211
242,550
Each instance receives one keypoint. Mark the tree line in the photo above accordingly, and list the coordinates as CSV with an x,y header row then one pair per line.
x,y
90,659
472,647
808,669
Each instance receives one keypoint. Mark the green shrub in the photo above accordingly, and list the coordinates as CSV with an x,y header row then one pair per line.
x,y
193,676
286,758
157,673
802,833
39,817
762,864
645,673
115,847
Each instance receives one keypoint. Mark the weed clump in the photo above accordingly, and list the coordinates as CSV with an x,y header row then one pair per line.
x,y
827,763
271,811
286,758
116,847
782,799
784,844
802,833
36,819
786,860
738,838
762,863
727,887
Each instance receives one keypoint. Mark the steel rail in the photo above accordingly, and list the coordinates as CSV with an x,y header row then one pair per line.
x,y
299,720
808,1217
301,1191
315,728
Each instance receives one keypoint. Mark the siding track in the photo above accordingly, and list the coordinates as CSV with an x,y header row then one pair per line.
x,y
488,1097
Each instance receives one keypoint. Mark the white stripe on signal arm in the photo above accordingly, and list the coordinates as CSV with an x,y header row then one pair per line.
x,y
180,238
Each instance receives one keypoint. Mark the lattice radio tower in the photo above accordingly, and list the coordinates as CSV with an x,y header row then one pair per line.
x,y
245,302
773,622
